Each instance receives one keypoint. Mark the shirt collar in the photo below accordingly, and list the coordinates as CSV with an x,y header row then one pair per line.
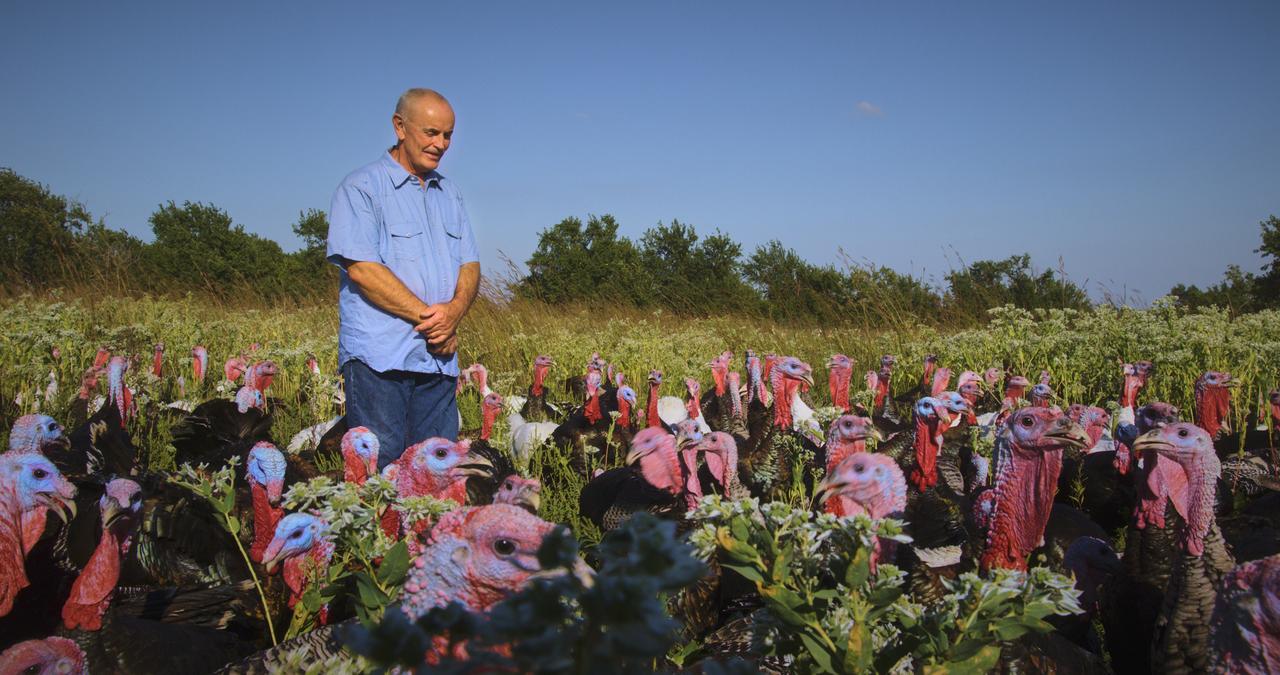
x,y
399,176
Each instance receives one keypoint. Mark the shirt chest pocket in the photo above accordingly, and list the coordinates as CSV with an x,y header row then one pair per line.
x,y
404,241
453,237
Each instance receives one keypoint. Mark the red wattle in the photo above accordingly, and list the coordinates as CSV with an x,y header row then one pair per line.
x,y
91,593
265,519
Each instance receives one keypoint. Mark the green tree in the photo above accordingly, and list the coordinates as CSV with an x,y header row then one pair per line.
x,y
993,283
1237,292
37,232
574,262
308,267
1267,288
197,246
793,289
691,276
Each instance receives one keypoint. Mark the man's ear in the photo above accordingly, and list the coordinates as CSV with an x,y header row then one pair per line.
x,y
397,123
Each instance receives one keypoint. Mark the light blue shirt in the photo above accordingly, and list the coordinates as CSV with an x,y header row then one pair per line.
x,y
384,214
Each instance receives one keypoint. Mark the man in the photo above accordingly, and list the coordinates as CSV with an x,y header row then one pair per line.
x,y
399,231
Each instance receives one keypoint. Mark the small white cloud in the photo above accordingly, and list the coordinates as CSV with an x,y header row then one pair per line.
x,y
869,109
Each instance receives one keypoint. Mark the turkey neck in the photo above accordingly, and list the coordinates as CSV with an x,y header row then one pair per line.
x,y
297,570
13,548
838,451
592,409
651,407
928,443
838,383
354,468
1211,408
624,413
488,416
91,593
1026,482
782,402
1202,472
539,376
265,519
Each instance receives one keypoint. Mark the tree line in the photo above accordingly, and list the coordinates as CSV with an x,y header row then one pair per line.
x,y
48,241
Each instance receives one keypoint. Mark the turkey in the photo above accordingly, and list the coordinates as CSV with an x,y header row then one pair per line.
x,y
436,467
123,640
839,375
50,656
536,408
768,459
218,430
301,547
652,480
1131,602
475,556
592,426
848,434
520,491
1181,640
1245,624
30,485
870,484
716,406
916,451
37,433
1028,458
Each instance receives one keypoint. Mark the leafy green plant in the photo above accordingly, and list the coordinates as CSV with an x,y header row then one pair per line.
x,y
828,610
614,621
218,488
364,558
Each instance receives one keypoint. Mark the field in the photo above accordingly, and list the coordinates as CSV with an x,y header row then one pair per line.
x,y
1082,351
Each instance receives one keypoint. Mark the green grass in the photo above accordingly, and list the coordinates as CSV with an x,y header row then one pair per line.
x,y
1083,351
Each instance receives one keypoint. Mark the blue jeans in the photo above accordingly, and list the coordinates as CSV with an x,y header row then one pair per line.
x,y
399,407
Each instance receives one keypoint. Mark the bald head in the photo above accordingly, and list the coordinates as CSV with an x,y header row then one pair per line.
x,y
423,123
411,99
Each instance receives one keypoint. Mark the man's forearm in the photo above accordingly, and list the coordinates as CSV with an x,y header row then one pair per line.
x,y
385,290
468,286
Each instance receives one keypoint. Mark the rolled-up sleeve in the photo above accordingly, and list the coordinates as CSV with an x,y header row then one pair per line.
x,y
467,245
353,227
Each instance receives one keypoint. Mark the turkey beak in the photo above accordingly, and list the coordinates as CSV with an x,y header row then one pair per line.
x,y
63,507
112,513
807,378
1069,433
475,465
874,433
531,500
827,489
1150,442
580,571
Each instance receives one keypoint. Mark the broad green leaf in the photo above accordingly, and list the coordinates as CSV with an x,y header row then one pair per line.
x,y
394,565
819,653
751,573
859,569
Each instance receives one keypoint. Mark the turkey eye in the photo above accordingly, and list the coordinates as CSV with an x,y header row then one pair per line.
x,y
33,670
504,547
295,534
1182,433
1027,421
440,453
135,499
40,473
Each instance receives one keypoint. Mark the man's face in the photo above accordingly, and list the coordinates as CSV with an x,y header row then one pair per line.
x,y
424,130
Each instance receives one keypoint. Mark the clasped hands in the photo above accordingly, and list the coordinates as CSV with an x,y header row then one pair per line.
x,y
439,325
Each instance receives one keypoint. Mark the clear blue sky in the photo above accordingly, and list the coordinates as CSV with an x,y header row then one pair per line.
x,y
1139,142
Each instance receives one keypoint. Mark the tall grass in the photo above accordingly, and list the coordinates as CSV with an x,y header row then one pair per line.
x,y
1082,350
